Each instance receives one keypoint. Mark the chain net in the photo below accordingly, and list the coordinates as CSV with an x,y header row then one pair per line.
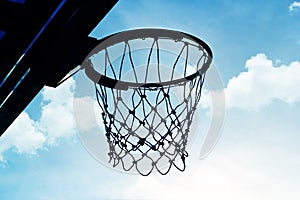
x,y
147,127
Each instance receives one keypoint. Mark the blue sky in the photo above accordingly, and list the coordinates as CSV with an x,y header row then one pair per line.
x,y
255,46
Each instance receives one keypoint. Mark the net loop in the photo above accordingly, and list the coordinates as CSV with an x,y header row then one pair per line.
x,y
169,142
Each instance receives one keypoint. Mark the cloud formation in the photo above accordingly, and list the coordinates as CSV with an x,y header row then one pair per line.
x,y
294,6
23,136
28,136
225,176
57,119
262,83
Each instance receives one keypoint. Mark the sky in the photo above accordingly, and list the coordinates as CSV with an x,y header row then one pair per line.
x,y
256,52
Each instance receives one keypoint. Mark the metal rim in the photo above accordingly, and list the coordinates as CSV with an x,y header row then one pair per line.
x,y
126,36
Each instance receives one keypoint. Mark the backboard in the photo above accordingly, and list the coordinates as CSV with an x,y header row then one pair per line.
x,y
40,42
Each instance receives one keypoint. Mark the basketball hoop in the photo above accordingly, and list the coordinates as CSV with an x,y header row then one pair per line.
x,y
148,84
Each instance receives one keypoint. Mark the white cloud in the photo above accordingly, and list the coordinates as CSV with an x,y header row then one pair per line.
x,y
263,83
57,114
27,136
294,6
23,136
235,175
